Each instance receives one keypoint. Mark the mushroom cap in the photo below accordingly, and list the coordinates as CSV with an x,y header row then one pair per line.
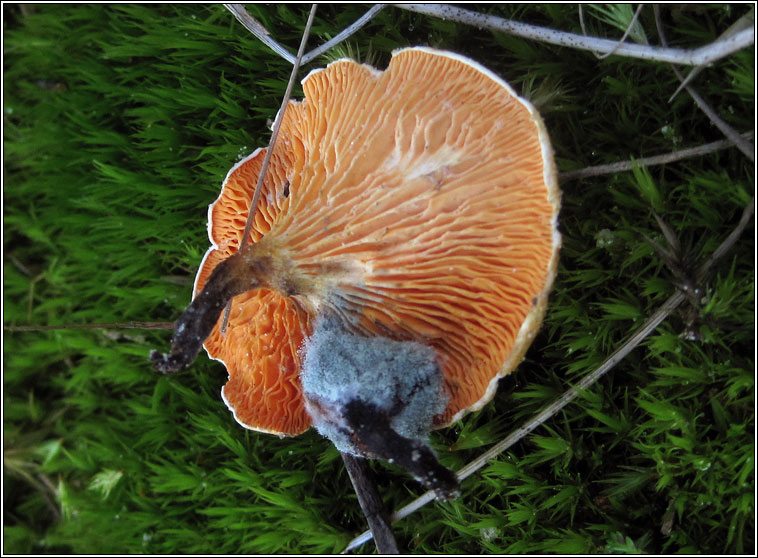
x,y
431,189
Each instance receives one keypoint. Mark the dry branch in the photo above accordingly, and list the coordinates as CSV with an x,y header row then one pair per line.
x,y
345,33
745,22
257,29
745,146
692,57
742,144
724,247
653,160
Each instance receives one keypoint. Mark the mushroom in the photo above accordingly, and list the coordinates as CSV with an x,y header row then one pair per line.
x,y
399,261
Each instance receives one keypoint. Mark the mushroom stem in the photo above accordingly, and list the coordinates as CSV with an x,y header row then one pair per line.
x,y
241,272
375,437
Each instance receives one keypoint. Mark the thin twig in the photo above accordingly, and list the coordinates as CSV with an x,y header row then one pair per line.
x,y
277,126
21,267
695,71
569,395
371,504
745,146
271,144
622,166
118,325
745,22
255,27
691,57
724,247
345,33
51,495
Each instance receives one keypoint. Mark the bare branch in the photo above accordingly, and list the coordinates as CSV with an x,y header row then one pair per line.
x,y
724,247
271,143
622,166
745,22
345,33
745,146
255,27
692,57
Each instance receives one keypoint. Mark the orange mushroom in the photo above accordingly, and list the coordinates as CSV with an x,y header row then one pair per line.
x,y
416,207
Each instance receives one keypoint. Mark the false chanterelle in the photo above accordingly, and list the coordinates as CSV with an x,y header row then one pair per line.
x,y
399,261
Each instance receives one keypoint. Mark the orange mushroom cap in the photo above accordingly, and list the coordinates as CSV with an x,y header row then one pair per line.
x,y
419,203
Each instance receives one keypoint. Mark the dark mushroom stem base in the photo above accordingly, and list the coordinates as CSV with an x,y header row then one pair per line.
x,y
241,272
371,396
374,437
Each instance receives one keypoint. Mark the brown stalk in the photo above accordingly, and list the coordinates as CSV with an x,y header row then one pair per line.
x,y
371,504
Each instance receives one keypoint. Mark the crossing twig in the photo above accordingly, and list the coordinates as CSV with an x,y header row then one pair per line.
x,y
257,29
743,145
271,144
622,166
691,57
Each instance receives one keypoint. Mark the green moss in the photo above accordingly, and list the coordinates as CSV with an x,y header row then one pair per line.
x,y
121,122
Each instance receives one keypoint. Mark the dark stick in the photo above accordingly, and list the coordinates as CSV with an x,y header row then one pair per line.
x,y
371,504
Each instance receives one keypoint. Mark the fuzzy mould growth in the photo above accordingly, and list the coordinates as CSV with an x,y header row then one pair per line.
x,y
399,379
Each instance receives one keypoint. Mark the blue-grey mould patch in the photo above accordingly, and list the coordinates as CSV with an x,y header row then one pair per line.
x,y
399,378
